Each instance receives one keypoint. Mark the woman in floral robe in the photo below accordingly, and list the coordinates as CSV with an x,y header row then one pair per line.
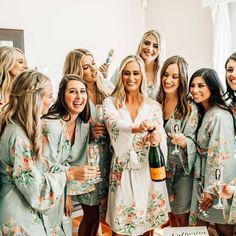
x,y
29,184
229,192
215,147
81,62
177,108
65,139
136,204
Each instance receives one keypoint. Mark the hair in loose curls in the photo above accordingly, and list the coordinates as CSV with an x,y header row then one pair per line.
x,y
8,56
72,65
119,91
60,110
25,105
182,107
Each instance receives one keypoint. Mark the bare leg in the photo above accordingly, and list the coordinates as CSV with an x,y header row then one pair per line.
x,y
224,229
90,221
173,219
183,219
149,233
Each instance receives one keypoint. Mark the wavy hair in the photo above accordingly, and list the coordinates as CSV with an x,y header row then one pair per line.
x,y
8,56
182,107
157,61
119,92
59,109
25,106
230,93
72,65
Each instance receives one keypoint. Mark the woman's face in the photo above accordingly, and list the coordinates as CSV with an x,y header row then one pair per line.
x,y
149,48
89,68
47,99
20,65
231,74
132,77
75,97
200,91
171,80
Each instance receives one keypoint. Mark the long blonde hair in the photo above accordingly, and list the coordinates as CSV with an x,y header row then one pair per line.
x,y
119,91
72,65
158,59
25,105
8,56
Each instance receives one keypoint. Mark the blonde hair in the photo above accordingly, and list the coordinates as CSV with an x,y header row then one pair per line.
x,y
8,56
72,65
25,105
119,92
158,59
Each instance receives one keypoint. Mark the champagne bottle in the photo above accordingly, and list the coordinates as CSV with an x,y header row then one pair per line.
x,y
156,164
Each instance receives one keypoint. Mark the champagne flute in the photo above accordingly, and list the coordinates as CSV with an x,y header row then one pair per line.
x,y
219,184
100,116
175,129
93,159
200,194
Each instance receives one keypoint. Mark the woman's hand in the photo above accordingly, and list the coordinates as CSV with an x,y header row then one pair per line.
x,y
178,139
68,210
144,126
154,137
98,130
226,192
207,201
104,70
82,173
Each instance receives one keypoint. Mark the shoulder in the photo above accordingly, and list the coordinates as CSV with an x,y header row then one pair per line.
x,y
153,104
218,115
53,125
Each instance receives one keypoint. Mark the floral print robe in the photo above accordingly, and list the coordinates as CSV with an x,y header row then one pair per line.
x,y
136,204
101,192
181,164
28,187
58,149
215,148
232,211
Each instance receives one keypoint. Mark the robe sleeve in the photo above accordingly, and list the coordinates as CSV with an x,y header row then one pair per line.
x,y
220,149
42,190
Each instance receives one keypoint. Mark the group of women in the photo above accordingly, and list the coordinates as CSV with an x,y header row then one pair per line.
x,y
46,145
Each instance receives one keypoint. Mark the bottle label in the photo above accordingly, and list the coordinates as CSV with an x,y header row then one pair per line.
x,y
158,173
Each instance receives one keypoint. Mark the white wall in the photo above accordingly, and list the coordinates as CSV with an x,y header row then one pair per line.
x,y
53,27
232,14
186,27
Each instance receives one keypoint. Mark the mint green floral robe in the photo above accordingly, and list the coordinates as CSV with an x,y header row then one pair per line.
x,y
101,191
58,149
232,210
215,147
136,204
26,189
179,166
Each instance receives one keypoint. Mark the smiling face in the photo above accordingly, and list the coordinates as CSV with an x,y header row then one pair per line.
x,y
20,64
171,79
149,48
132,77
231,74
200,91
75,97
89,68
